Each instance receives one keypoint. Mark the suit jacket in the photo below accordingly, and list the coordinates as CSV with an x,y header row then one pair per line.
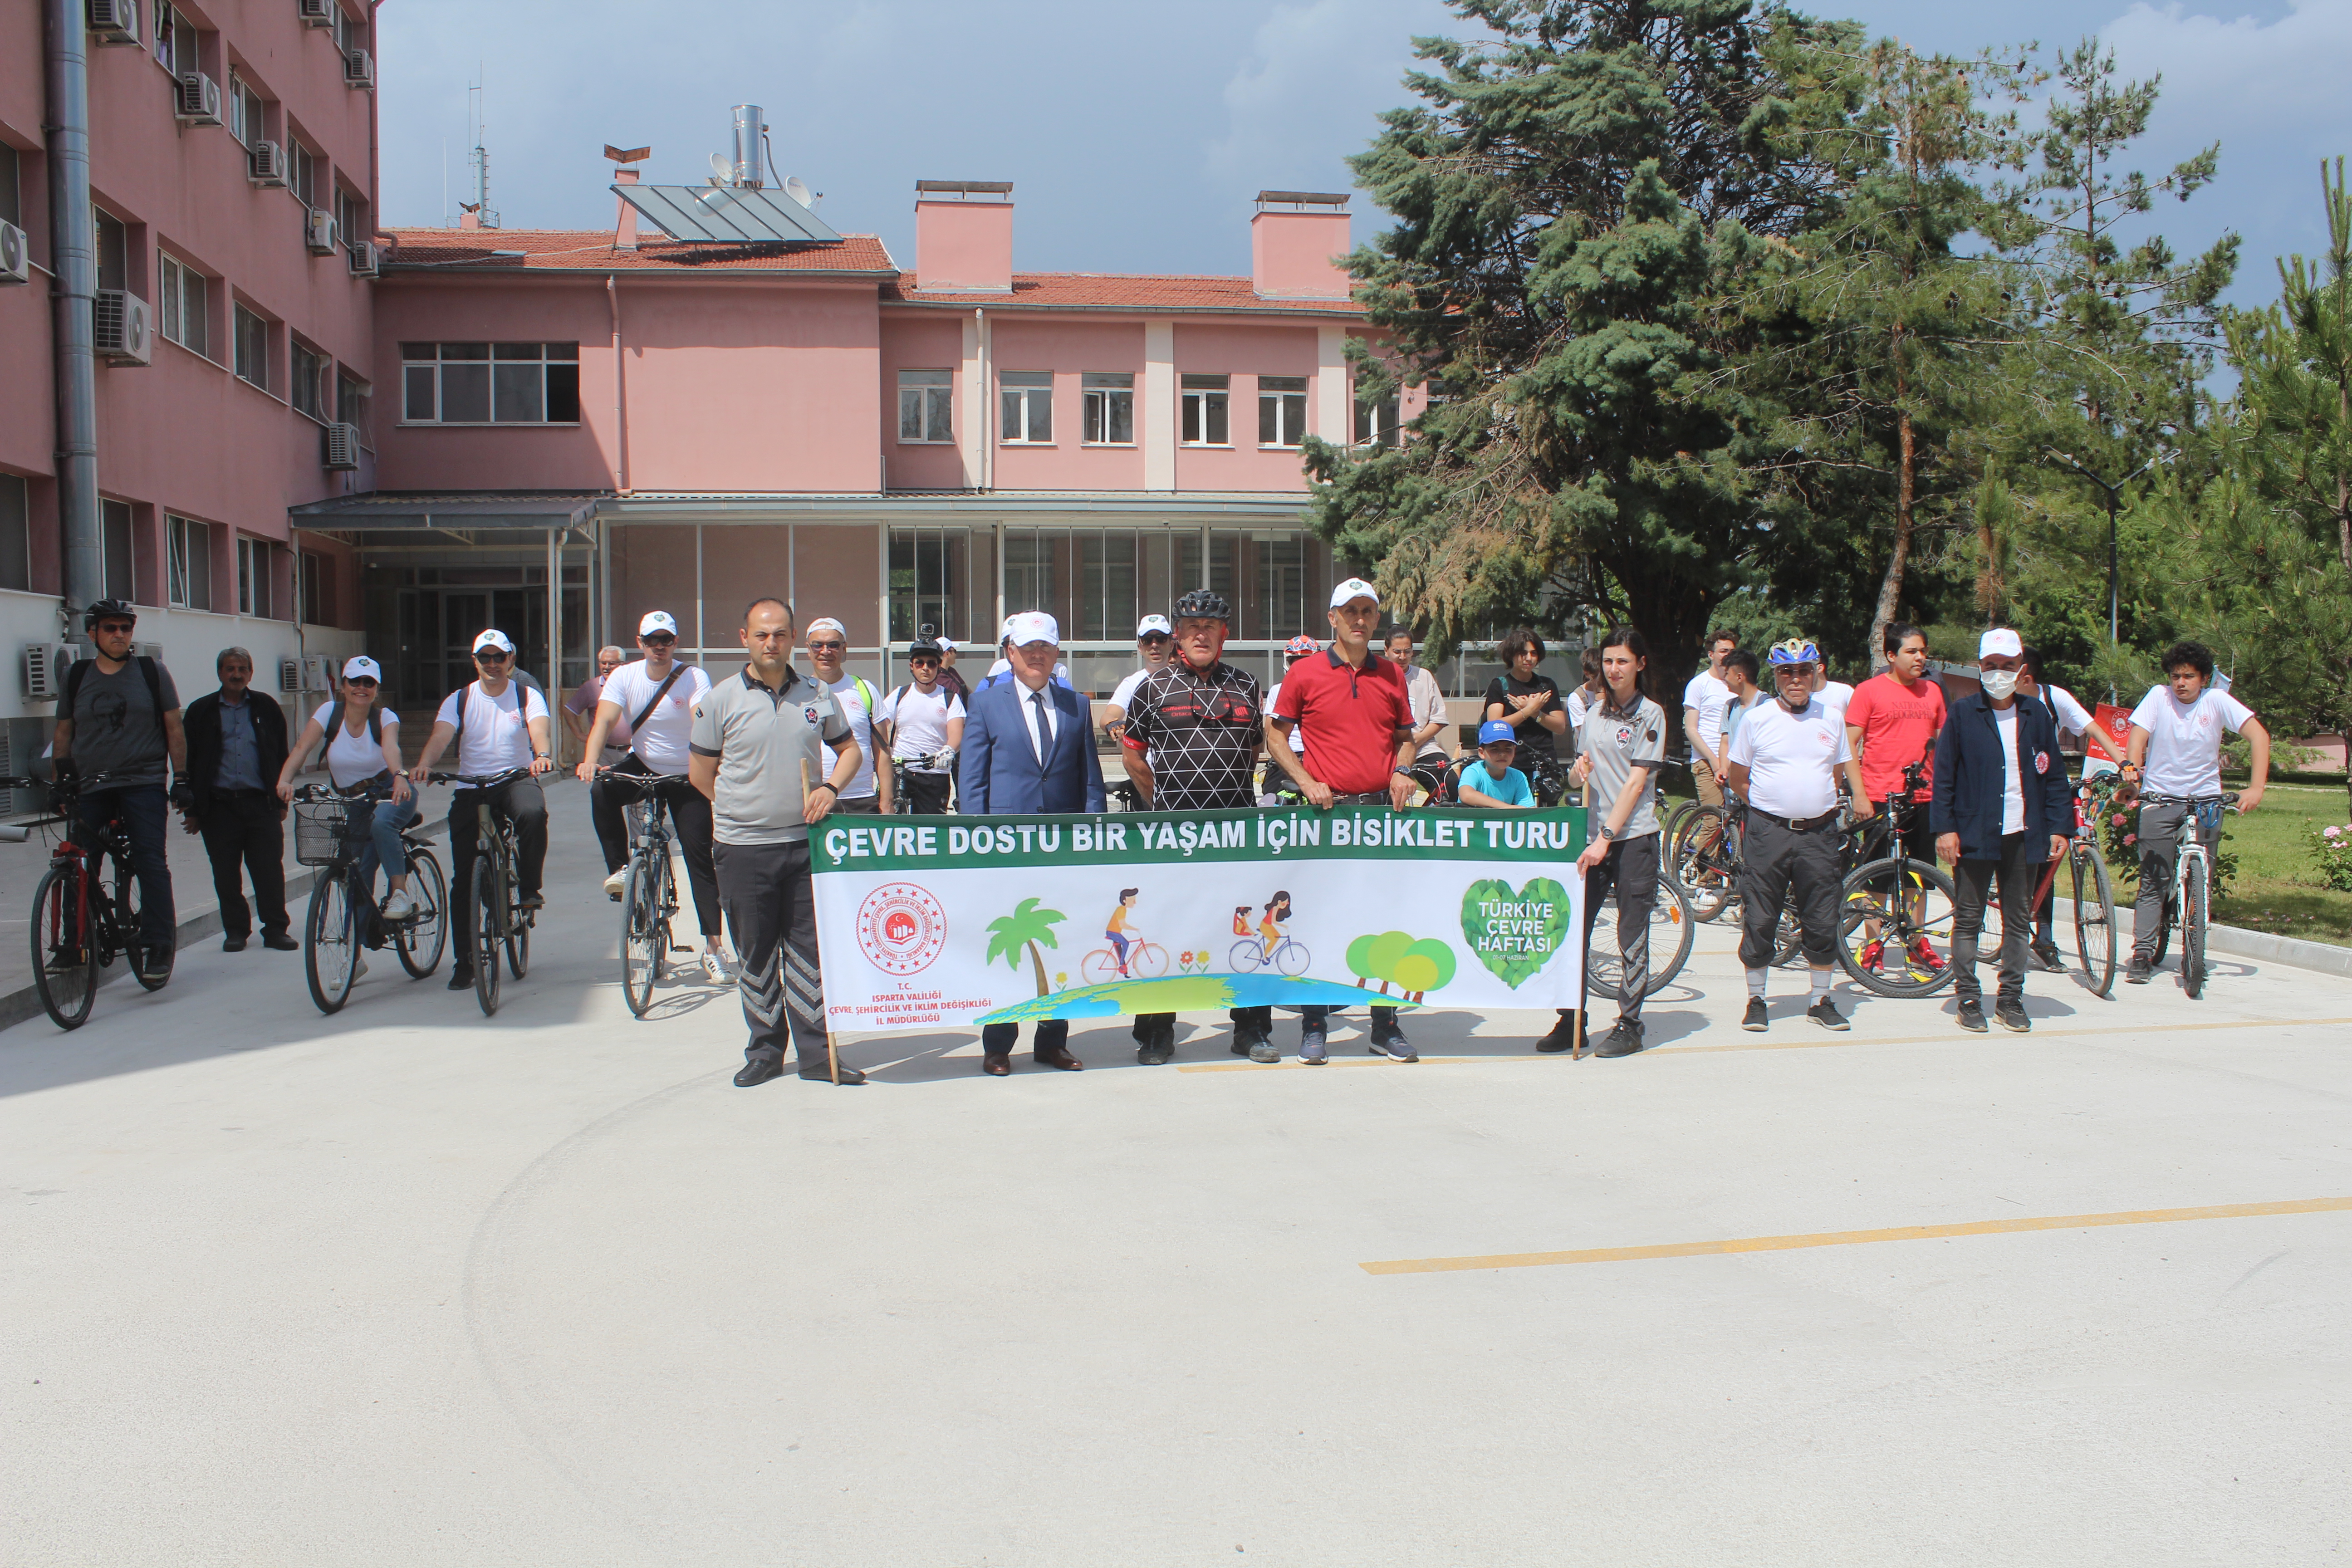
x,y
1970,778
202,722
998,771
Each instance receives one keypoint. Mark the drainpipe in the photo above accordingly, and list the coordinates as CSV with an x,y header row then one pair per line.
x,y
72,298
620,410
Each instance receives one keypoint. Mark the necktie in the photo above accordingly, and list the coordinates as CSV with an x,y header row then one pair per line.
x,y
1041,736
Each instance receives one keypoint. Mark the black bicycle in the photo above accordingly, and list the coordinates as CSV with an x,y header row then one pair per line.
x,y
1893,910
650,901
902,802
499,920
85,907
344,920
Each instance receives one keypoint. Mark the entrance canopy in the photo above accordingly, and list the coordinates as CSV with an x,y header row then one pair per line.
x,y
470,517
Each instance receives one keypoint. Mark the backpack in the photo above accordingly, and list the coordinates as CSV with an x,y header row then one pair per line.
x,y
75,671
375,720
523,704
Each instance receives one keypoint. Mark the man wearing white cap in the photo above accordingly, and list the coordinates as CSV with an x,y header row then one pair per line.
x,y
655,698
501,725
2003,807
1154,638
1001,670
1029,748
873,790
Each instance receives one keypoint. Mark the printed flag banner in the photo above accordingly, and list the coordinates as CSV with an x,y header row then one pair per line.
x,y
932,922
2114,721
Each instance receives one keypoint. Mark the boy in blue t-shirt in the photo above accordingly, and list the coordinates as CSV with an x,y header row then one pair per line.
x,y
1491,781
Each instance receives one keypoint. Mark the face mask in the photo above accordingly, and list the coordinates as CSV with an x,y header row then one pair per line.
x,y
1999,684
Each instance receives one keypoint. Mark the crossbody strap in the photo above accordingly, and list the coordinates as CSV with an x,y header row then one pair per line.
x,y
654,701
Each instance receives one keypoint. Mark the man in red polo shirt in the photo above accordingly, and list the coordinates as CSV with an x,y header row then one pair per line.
x,y
1356,715
1893,722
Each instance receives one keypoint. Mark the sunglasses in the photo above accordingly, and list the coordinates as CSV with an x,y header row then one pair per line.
x,y
828,646
1153,638
366,680
117,628
659,639
489,656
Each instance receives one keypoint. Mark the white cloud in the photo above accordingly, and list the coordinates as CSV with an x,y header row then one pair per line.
x,y
1306,94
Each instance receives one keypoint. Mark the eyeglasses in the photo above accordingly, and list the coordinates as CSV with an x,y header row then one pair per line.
x,y
489,655
366,680
827,646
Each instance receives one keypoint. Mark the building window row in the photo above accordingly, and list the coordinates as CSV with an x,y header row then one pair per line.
x,y
489,384
927,400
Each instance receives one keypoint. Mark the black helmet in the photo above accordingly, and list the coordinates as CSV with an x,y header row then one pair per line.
x,y
924,647
104,609
1203,605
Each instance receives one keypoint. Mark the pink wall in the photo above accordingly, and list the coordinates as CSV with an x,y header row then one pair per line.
x,y
963,244
1242,354
1069,348
1291,252
920,340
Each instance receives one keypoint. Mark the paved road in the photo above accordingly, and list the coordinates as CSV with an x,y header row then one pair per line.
x,y
416,1288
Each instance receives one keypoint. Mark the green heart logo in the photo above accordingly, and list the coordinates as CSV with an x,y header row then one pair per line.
x,y
1515,934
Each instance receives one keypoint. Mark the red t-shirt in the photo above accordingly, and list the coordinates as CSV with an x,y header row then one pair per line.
x,y
1349,716
1899,724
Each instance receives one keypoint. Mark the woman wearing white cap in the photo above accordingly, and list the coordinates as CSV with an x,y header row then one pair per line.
x,y
363,754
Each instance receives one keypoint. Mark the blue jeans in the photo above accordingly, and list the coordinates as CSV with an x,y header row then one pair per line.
x,y
382,821
141,808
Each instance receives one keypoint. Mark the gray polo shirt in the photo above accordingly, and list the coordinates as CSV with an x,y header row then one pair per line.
x,y
761,739
1619,739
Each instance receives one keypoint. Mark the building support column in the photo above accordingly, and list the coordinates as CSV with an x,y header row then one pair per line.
x,y
1158,415
1331,400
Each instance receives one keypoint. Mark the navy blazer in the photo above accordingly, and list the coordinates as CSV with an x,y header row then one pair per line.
x,y
1970,778
998,773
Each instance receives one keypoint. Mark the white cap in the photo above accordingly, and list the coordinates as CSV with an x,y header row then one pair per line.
x,y
361,664
493,638
1006,630
947,645
825,623
2000,640
1149,623
1352,590
1033,627
656,621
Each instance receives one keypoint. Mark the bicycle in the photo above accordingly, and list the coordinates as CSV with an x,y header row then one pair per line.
x,y
1289,956
2094,898
79,924
327,835
1703,846
1896,905
650,899
498,923
1145,960
2189,902
902,804
1670,915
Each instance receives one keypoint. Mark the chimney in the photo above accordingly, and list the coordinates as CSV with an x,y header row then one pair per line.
x,y
624,232
1294,238
963,237
469,215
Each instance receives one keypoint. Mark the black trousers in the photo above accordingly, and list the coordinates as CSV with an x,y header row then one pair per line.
x,y
145,816
926,794
688,808
1051,1034
521,803
244,835
1778,865
2018,869
772,905
1630,870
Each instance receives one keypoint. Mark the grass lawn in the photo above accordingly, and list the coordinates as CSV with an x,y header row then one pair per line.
x,y
2278,888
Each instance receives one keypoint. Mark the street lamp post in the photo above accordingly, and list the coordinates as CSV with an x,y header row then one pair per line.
x,y
2114,596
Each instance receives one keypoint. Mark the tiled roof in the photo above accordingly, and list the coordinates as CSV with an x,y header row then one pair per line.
x,y
591,250
1120,291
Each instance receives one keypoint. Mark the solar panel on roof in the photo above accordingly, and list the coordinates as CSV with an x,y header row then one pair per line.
x,y
727,215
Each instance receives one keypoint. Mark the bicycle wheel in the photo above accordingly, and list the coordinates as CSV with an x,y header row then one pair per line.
x,y
518,934
330,945
126,905
1292,959
2192,927
1703,851
665,906
421,939
642,939
1911,902
1788,941
1099,967
66,991
2164,933
1671,930
2094,919
1146,960
488,894
1247,956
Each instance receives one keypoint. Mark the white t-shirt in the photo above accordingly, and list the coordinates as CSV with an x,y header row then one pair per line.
x,y
661,742
1706,696
2184,743
1579,704
2074,719
1298,731
1428,706
921,721
351,759
2012,788
861,730
1791,757
1125,689
1838,695
497,735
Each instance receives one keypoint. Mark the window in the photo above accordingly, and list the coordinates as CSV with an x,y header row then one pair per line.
x,y
1204,410
114,525
12,189
1281,410
484,383
351,218
926,398
246,119
307,388
317,586
352,396
175,41
1376,422
113,242
255,559
181,306
1109,408
15,532
302,169
253,348
189,569
350,32
1028,407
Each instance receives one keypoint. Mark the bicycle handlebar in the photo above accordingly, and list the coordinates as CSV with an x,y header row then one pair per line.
x,y
644,779
2226,799
490,781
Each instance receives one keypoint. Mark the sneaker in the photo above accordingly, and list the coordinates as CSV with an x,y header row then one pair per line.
x,y
1245,1044
461,978
1562,1036
1824,1013
1926,957
1263,1050
1311,1049
618,883
399,906
1623,1041
65,961
1971,1016
2011,1014
2051,963
1396,1046
1871,953
531,902
2138,971
1754,1020
714,969
1156,1050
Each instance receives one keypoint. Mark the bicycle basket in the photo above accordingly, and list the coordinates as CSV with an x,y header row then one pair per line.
x,y
322,835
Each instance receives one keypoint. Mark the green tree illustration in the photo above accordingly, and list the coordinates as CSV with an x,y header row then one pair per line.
x,y
1027,926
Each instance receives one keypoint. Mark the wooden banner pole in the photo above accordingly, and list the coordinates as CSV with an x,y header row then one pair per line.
x,y
1584,993
832,1054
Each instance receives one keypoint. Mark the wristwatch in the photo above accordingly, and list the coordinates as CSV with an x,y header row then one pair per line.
x,y
1608,834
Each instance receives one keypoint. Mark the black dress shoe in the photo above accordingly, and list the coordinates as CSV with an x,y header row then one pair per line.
x,y
461,978
1155,1051
280,942
1562,1036
759,1070
850,1077
232,944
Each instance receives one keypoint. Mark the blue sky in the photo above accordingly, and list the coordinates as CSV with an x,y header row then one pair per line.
x,y
1137,135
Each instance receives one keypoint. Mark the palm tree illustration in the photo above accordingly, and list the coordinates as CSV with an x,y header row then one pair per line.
x,y
1027,926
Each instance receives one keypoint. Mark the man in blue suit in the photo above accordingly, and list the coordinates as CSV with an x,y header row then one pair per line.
x,y
1029,748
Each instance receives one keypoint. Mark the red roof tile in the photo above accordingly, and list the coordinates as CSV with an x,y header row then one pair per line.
x,y
591,250
1121,292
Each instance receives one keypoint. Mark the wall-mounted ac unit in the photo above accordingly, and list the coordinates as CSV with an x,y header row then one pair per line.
x,y
290,676
44,670
364,259
342,446
266,164
123,332
359,69
15,254
153,650
199,101
318,233
318,672
115,21
316,13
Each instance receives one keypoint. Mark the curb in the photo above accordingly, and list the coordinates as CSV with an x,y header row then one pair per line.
x,y
2325,958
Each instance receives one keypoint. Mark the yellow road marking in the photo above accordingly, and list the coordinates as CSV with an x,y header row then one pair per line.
x,y
1852,1237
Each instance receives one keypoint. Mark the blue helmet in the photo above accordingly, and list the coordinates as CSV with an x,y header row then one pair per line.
x,y
1795,650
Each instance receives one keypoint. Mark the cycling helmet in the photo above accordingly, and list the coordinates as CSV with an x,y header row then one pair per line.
x,y
1300,646
1203,605
1795,650
923,648
101,609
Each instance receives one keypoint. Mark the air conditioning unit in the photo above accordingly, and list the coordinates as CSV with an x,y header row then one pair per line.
x,y
153,650
318,672
290,676
319,232
122,330
359,69
199,99
115,21
342,447
316,13
364,259
15,254
266,164
44,670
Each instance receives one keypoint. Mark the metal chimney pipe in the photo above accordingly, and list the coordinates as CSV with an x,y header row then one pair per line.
x,y
749,124
77,287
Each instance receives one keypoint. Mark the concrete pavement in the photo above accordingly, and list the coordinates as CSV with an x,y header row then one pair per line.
x,y
411,1287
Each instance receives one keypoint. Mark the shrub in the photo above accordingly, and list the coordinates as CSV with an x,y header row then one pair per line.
x,y
2332,848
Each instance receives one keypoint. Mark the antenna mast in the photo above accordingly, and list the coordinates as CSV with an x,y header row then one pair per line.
x,y
480,158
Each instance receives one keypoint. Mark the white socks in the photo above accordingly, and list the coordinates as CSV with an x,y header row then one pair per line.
x,y
1821,983
1756,983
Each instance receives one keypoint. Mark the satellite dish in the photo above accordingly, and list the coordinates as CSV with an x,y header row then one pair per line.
x,y
798,189
721,169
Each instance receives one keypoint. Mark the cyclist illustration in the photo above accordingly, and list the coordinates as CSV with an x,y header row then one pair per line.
x,y
1268,945
1117,927
1269,929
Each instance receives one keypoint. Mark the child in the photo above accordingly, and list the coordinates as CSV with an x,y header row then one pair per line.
x,y
1491,781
